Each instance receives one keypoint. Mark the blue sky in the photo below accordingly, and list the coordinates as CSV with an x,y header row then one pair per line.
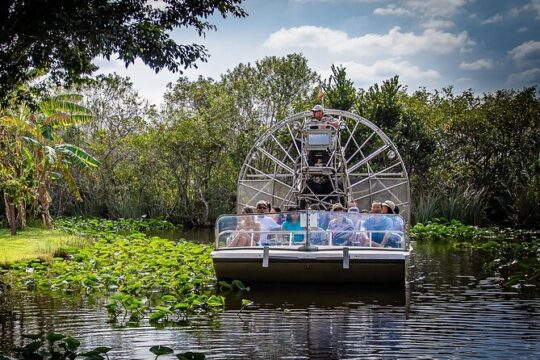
x,y
480,44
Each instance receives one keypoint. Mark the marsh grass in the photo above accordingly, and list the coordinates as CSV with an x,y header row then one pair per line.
x,y
35,243
466,204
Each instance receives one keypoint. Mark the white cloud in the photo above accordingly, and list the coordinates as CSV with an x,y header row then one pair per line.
x,y
533,5
423,8
437,24
394,43
366,75
526,52
492,20
479,64
529,77
522,29
392,10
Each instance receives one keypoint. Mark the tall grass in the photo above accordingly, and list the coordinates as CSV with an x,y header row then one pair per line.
x,y
465,204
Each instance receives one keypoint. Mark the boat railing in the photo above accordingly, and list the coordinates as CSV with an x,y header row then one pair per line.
x,y
324,230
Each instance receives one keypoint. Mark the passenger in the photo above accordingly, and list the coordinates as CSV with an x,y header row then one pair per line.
x,y
341,228
324,218
247,230
317,236
326,121
267,223
378,226
389,207
354,215
292,225
278,217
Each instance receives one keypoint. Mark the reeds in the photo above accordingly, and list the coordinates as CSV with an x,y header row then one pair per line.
x,y
467,205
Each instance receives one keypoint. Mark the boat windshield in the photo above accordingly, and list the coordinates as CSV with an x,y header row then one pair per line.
x,y
322,229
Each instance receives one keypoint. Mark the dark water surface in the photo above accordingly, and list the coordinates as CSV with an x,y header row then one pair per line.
x,y
450,308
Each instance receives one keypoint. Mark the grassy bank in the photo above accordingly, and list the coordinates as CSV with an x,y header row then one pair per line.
x,y
35,243
142,276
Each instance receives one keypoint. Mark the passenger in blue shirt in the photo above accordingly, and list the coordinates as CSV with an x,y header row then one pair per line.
x,y
378,225
389,207
292,224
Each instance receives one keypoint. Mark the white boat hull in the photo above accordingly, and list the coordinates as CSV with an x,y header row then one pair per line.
x,y
323,265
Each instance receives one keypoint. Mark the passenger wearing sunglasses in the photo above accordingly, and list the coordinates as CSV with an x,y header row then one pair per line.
x,y
267,223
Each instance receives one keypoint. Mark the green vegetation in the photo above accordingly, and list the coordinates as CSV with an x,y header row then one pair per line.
x,y
470,157
56,346
34,35
144,277
514,253
35,243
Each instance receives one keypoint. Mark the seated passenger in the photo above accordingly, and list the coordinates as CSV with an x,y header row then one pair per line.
x,y
378,227
317,236
278,217
323,217
389,207
292,225
353,214
266,222
247,230
341,228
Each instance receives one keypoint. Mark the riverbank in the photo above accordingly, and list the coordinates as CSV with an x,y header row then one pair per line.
x,y
35,243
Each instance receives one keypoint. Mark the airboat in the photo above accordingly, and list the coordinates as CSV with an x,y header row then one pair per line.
x,y
309,166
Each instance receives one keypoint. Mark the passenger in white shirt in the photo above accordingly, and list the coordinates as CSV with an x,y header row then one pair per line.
x,y
267,223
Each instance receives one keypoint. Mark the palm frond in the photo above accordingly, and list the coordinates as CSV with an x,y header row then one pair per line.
x,y
61,110
50,154
32,141
70,181
28,156
78,156
18,123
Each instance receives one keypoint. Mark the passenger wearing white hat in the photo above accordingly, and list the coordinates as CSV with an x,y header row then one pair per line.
x,y
390,207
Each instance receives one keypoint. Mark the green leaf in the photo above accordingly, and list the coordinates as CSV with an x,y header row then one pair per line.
x,y
80,157
216,301
72,343
32,347
102,349
224,285
155,316
238,284
246,302
32,336
52,337
161,350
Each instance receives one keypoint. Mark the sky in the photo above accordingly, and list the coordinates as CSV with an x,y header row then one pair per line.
x,y
484,45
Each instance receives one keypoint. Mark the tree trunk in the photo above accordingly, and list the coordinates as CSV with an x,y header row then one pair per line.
x,y
45,202
21,216
11,216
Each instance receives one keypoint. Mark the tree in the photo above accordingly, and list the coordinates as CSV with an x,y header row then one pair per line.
x,y
49,155
64,36
273,88
339,90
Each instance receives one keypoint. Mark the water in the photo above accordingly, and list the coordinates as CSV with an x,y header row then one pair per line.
x,y
449,309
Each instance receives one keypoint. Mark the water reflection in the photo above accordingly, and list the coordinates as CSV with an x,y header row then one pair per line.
x,y
451,308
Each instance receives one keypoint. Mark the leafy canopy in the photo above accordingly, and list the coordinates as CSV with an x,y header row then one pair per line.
x,y
64,36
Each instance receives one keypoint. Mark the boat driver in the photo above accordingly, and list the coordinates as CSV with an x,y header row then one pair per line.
x,y
318,115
